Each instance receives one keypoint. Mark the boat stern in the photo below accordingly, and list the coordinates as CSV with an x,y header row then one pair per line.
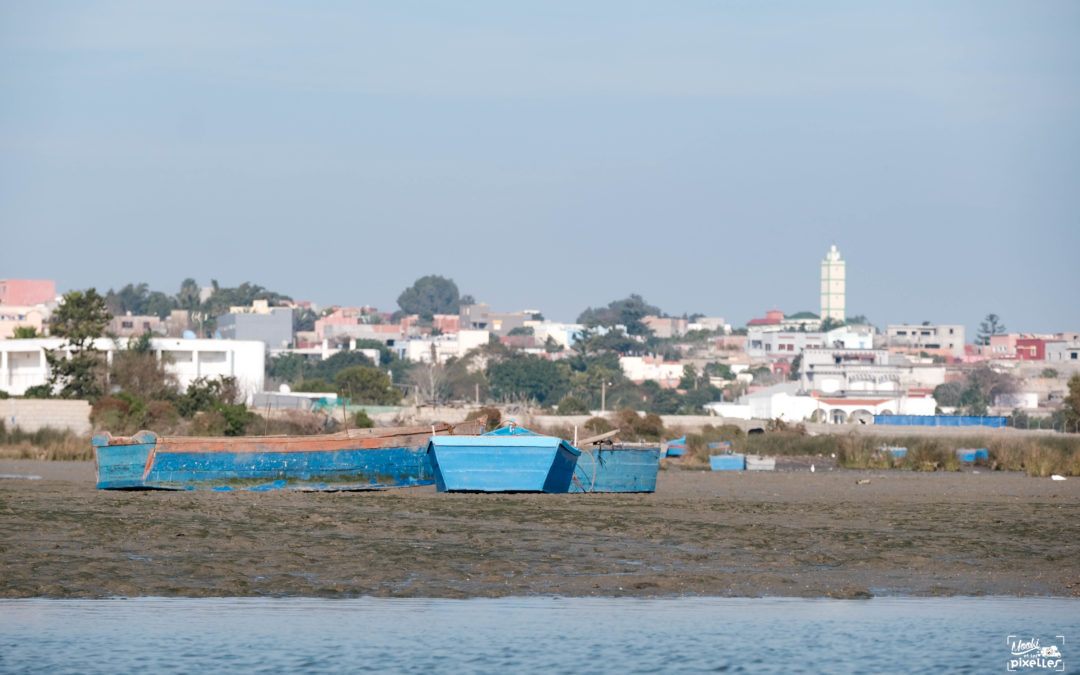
x,y
123,462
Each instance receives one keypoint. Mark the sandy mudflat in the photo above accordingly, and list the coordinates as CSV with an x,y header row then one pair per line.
x,y
743,534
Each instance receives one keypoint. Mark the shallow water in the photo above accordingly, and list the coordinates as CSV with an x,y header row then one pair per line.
x,y
920,635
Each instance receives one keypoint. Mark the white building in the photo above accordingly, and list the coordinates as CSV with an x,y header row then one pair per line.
x,y
833,286
765,344
861,372
562,333
443,346
1062,351
941,339
23,364
783,402
641,368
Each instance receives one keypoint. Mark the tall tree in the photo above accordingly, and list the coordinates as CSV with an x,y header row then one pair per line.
x,y
990,326
430,295
80,319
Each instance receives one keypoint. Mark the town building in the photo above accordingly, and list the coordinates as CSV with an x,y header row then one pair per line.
x,y
804,321
27,292
666,327
638,369
23,364
562,334
773,320
441,347
480,317
1063,351
785,402
945,340
762,345
128,325
345,316
833,286
260,321
21,316
859,372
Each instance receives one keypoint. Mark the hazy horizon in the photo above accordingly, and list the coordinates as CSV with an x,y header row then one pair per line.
x,y
553,156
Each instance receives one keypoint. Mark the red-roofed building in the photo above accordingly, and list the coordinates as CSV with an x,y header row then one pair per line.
x,y
773,317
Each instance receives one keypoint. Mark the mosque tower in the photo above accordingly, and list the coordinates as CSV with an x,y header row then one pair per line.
x,y
832,286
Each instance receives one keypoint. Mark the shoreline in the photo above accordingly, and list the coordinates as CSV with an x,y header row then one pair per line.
x,y
702,534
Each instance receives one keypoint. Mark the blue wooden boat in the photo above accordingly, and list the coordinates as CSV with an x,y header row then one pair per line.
x,y
609,467
510,459
355,460
675,448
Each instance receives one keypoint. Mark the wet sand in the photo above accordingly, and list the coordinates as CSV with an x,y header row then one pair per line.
x,y
727,534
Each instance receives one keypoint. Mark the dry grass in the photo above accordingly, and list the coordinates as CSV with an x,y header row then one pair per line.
x,y
1036,456
44,444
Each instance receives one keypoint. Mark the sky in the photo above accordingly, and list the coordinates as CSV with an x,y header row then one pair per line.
x,y
553,155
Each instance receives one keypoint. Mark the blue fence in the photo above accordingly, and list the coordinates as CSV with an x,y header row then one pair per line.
x,y
940,421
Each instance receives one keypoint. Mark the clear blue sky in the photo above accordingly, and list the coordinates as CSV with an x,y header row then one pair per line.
x,y
553,155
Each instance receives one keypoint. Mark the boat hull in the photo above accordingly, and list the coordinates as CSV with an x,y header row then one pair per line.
x,y
616,470
526,463
357,461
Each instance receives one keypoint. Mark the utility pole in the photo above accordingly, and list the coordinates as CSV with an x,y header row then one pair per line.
x,y
603,396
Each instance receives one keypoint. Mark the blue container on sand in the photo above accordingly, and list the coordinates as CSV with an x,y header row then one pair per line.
x,y
727,462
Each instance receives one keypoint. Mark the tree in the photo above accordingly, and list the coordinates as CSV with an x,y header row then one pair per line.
x,y
991,326
571,405
829,323
80,319
430,295
627,312
719,370
138,370
24,333
429,381
367,385
948,394
1070,411
796,365
304,319
527,378
614,341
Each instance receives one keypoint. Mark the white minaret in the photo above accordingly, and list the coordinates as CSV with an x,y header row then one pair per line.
x,y
832,286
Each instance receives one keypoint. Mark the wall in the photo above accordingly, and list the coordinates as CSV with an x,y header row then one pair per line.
x,y
34,414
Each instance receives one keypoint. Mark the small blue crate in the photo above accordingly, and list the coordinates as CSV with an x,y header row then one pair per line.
x,y
972,454
727,462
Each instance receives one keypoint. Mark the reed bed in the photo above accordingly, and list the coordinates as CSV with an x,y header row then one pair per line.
x,y
44,444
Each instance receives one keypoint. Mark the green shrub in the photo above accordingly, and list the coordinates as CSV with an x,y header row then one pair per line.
x,y
572,405
360,420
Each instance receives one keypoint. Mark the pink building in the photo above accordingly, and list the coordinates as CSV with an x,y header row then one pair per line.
x,y
447,323
26,292
343,316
